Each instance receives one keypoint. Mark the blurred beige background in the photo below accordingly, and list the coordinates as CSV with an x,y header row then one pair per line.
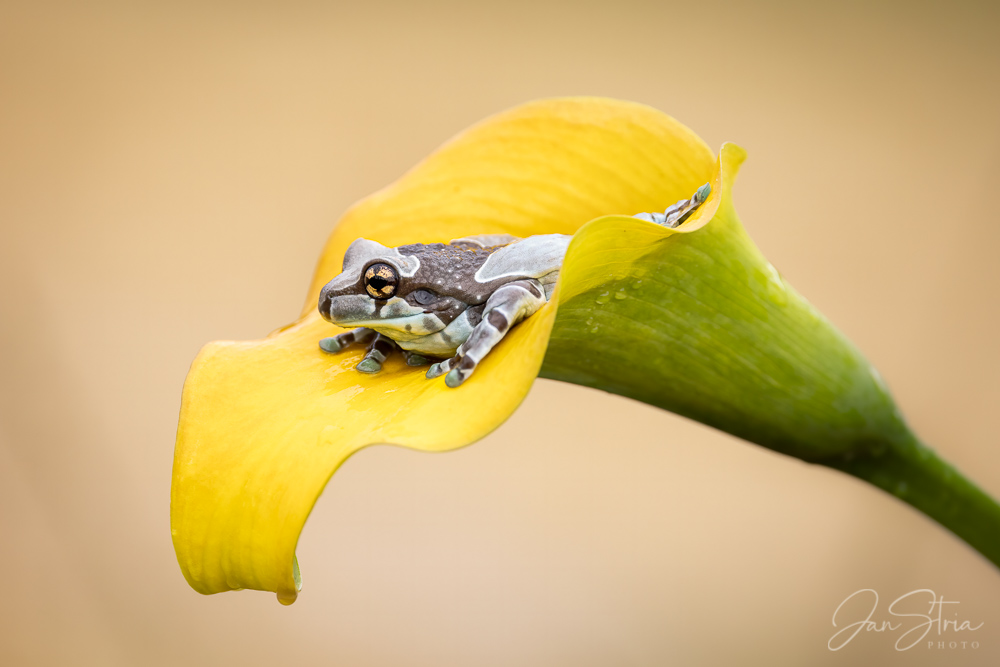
x,y
168,173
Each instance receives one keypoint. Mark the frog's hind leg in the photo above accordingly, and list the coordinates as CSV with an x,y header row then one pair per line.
x,y
338,343
378,352
679,212
506,307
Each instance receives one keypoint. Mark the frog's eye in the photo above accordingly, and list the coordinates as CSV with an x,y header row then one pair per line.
x,y
381,281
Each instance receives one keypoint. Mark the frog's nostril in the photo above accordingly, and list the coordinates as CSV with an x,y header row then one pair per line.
x,y
324,304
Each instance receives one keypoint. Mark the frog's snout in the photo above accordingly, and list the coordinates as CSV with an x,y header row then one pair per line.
x,y
325,301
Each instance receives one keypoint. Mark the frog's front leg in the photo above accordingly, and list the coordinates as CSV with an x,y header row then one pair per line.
x,y
379,350
337,343
379,347
506,307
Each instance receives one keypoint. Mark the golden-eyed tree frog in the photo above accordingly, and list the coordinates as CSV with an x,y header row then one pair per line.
x,y
448,304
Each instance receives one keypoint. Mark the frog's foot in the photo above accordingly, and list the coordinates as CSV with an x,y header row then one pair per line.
x,y
378,352
680,211
379,347
440,368
414,359
338,343
506,307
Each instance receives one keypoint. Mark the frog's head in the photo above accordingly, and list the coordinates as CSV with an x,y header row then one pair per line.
x,y
388,290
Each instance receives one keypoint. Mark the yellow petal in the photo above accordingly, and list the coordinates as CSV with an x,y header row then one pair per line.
x,y
264,424
542,168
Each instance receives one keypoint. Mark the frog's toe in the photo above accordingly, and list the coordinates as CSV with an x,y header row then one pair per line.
x,y
438,369
703,192
455,377
331,345
413,359
378,352
461,371
368,365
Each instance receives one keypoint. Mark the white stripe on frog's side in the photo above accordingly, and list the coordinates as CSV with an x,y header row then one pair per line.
x,y
533,257
485,240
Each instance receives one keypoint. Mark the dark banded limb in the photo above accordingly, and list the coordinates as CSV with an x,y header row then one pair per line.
x,y
679,212
379,348
506,307
378,352
337,343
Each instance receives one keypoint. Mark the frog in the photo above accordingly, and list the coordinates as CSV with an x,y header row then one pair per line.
x,y
447,305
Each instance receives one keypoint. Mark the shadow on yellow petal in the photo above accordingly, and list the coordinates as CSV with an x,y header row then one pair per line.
x,y
264,424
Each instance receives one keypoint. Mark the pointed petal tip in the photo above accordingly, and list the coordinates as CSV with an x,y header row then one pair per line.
x,y
286,595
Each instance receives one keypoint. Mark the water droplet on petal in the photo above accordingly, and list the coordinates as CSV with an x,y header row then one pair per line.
x,y
772,286
620,294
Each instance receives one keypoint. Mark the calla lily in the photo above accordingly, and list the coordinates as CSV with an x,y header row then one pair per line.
x,y
693,320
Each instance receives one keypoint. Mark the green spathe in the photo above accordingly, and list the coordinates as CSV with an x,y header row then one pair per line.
x,y
701,324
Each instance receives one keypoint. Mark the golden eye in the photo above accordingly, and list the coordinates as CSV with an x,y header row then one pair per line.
x,y
381,281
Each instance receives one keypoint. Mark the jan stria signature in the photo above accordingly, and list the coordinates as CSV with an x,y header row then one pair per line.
x,y
914,614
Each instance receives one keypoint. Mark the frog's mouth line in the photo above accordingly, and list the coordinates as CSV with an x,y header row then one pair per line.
x,y
407,327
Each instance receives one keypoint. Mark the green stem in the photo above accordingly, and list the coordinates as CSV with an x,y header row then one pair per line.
x,y
895,462
917,475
